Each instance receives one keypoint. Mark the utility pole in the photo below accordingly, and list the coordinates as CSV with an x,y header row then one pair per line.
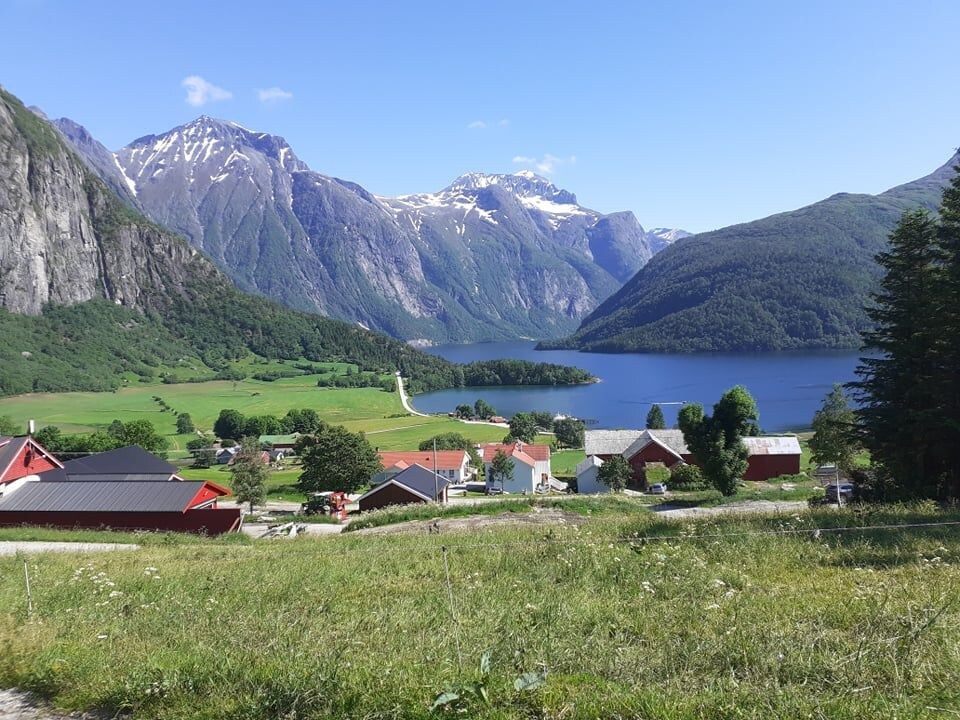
x,y
436,478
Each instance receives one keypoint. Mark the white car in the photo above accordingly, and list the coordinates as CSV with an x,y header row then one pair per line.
x,y
658,489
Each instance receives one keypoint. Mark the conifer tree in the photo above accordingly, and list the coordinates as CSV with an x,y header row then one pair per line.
x,y
949,364
900,417
834,440
655,419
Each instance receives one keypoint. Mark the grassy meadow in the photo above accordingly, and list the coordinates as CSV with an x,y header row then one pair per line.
x,y
378,413
623,614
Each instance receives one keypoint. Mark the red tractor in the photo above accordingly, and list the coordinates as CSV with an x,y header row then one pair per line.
x,y
333,504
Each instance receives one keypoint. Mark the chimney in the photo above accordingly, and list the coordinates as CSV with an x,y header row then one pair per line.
x,y
31,427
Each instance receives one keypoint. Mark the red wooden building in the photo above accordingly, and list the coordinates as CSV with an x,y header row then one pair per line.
x,y
416,484
124,489
22,456
769,456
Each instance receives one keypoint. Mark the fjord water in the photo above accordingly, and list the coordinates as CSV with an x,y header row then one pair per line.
x,y
788,387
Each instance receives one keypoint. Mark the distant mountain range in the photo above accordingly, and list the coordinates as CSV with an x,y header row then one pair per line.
x,y
93,294
799,279
488,257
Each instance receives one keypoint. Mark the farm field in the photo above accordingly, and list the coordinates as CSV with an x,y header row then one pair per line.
x,y
613,613
371,410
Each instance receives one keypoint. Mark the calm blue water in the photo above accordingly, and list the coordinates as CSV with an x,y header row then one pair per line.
x,y
788,387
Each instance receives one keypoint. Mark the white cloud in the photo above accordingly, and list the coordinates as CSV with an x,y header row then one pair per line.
x,y
477,125
200,92
547,164
504,122
273,94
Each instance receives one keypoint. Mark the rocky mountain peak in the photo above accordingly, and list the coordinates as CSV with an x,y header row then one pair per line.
x,y
523,184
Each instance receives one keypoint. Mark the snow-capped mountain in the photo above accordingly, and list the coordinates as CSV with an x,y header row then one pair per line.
x,y
661,237
489,256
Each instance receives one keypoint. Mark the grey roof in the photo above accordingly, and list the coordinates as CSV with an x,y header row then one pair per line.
x,y
416,478
608,442
9,447
100,497
673,439
773,445
64,475
587,463
125,463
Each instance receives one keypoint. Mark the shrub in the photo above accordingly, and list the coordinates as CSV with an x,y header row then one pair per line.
x,y
687,477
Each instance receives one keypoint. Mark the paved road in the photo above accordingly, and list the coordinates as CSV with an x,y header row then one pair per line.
x,y
12,547
404,400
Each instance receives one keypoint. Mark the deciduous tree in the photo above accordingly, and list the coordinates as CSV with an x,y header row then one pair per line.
x,y
501,469
615,473
249,473
483,410
336,459
717,440
523,427
569,432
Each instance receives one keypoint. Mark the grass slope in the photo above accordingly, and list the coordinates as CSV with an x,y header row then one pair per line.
x,y
853,625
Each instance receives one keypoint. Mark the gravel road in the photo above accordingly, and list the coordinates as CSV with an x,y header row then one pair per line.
x,y
16,705
12,547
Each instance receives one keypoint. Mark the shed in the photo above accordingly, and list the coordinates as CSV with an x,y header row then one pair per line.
x,y
772,456
416,484
587,476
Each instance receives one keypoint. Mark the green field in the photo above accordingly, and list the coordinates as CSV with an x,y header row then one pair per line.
x,y
372,410
620,614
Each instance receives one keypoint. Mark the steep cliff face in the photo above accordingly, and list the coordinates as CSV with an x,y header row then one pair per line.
x,y
64,237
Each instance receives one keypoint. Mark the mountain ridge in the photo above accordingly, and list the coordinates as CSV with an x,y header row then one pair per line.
x,y
797,279
405,265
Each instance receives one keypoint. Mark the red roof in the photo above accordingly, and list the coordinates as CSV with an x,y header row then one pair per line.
x,y
539,453
446,459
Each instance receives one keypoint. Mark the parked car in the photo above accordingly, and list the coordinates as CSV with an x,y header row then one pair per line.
x,y
658,489
496,491
846,492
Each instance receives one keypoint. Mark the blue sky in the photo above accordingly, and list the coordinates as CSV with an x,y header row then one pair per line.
x,y
692,114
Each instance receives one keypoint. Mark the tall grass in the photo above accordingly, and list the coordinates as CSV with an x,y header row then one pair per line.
x,y
627,618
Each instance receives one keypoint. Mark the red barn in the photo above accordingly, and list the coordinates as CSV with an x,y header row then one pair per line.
x,y
124,489
772,456
22,456
769,456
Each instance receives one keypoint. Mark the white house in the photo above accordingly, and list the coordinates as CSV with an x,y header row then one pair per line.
x,y
531,466
587,480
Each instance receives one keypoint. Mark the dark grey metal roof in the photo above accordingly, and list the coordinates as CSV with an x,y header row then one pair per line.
x,y
9,448
126,463
421,480
63,475
98,496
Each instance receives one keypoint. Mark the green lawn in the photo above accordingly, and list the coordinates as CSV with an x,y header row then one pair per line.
x,y
624,615
371,410
564,462
86,411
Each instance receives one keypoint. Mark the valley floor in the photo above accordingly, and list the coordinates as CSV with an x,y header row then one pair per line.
x,y
613,612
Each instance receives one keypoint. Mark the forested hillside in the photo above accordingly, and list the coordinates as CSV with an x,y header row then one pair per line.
x,y
799,279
